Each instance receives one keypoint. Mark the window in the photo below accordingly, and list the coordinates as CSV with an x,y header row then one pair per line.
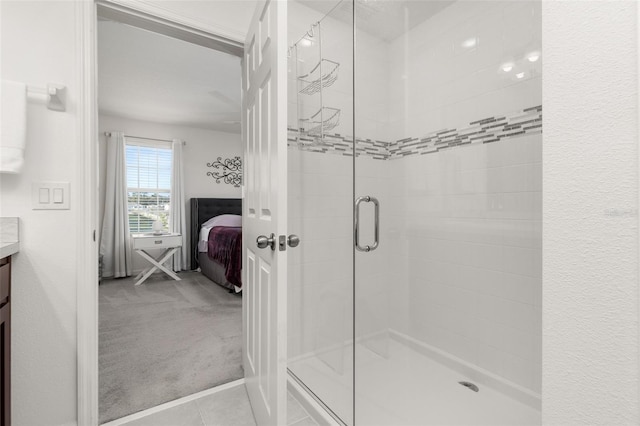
x,y
148,185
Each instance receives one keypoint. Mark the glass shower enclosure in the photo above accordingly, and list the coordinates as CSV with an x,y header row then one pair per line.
x,y
415,184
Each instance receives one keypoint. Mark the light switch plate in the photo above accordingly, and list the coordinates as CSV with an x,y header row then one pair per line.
x,y
43,197
57,199
58,196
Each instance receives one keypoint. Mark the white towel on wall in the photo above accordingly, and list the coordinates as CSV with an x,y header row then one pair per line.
x,y
13,126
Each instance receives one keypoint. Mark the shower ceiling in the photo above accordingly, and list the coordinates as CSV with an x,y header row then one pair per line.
x,y
385,19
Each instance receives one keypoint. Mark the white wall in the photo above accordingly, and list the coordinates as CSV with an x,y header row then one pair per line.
x,y
38,47
203,146
590,213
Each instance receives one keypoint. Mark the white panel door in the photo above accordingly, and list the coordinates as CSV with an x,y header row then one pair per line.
x,y
265,211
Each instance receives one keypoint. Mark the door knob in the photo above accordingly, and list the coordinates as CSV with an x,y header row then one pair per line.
x,y
264,242
293,240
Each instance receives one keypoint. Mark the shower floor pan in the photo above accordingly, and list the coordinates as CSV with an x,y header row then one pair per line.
x,y
408,388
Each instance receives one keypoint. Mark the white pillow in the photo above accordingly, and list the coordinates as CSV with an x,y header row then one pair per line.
x,y
229,220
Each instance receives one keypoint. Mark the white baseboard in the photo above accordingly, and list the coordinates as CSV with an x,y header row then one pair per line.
x,y
310,404
498,383
174,403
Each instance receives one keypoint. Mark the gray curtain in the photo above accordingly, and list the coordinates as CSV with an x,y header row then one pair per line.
x,y
177,219
115,242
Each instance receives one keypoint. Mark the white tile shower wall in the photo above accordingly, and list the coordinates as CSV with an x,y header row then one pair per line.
x,y
320,275
320,271
469,217
425,80
375,276
436,83
470,240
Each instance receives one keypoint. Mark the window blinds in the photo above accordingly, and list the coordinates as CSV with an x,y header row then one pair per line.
x,y
148,186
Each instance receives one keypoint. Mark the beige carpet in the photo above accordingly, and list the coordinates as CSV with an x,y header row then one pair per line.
x,y
165,339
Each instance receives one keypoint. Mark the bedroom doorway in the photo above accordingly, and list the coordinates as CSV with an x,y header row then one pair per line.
x,y
172,106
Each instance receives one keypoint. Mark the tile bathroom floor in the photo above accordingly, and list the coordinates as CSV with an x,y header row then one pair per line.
x,y
229,407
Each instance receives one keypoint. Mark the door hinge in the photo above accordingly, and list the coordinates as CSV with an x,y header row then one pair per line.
x,y
94,235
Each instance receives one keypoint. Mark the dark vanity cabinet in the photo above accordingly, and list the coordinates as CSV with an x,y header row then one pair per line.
x,y
5,341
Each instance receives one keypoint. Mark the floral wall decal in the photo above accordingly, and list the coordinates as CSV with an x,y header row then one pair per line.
x,y
230,171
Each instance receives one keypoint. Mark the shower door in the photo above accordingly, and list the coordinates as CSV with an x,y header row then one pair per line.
x,y
415,183
448,122
320,281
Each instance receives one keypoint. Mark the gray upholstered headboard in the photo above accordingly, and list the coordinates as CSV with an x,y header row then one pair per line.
x,y
203,209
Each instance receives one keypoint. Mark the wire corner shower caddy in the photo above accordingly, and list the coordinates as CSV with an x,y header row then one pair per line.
x,y
311,85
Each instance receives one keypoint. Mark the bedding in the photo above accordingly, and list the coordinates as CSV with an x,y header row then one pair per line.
x,y
227,220
212,213
224,246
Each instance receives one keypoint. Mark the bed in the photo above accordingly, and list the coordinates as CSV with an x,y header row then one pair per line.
x,y
220,256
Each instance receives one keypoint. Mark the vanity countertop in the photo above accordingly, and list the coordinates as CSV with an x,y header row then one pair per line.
x,y
9,239
8,249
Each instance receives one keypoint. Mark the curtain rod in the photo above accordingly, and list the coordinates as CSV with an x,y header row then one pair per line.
x,y
149,139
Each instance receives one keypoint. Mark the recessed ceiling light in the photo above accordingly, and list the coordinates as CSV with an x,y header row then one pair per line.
x,y
520,75
507,67
469,43
533,56
305,42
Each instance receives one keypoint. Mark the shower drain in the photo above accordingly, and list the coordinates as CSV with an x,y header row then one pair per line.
x,y
470,385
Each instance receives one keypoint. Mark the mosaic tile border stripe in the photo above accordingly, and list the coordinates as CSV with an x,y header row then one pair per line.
x,y
487,130
338,144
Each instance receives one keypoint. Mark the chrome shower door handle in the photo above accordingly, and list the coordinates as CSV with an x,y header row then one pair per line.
x,y
376,204
376,234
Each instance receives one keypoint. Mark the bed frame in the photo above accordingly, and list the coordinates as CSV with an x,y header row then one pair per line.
x,y
203,209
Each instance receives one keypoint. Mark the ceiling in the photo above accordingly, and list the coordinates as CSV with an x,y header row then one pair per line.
x,y
230,18
385,19
151,77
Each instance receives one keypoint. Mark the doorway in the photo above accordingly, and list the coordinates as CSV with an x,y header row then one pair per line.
x,y
168,327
